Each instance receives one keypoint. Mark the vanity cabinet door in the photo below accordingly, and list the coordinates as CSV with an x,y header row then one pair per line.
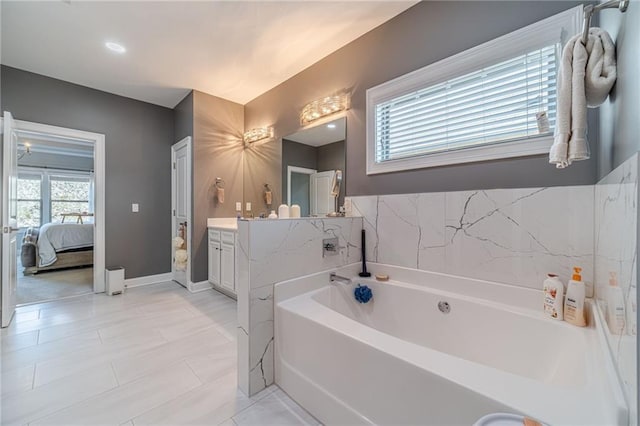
x,y
227,267
214,262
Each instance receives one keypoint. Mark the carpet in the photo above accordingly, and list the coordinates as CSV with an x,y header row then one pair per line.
x,y
53,284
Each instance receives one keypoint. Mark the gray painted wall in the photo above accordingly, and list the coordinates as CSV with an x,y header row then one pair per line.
x,y
217,152
138,137
424,34
57,161
183,118
620,115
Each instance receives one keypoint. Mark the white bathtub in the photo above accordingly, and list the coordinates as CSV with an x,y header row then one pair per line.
x,y
400,360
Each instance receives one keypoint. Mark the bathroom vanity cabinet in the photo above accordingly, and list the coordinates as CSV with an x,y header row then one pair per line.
x,y
222,259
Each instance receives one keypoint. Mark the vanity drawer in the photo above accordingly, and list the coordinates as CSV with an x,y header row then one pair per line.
x,y
228,237
214,235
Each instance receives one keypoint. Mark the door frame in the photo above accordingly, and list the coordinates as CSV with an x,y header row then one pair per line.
x,y
296,169
175,147
99,157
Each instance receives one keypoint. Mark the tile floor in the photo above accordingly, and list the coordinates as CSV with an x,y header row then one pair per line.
x,y
154,355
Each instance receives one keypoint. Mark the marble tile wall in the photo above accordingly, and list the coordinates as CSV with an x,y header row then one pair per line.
x,y
512,236
270,251
616,249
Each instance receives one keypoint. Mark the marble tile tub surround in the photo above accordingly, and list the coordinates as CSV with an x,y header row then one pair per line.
x,y
271,251
512,236
616,249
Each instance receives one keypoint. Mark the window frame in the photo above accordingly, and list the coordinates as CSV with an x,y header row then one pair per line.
x,y
62,175
45,187
555,29
40,177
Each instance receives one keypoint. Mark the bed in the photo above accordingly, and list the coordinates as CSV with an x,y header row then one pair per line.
x,y
57,246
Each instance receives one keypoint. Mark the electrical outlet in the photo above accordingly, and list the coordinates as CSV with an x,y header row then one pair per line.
x,y
135,207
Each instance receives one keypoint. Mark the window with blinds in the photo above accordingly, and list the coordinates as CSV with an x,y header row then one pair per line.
x,y
495,104
494,101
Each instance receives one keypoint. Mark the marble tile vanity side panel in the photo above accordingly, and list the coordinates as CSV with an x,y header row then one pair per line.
x,y
270,252
616,248
285,249
513,236
242,292
261,369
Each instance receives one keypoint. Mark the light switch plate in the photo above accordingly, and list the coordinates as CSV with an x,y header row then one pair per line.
x,y
135,207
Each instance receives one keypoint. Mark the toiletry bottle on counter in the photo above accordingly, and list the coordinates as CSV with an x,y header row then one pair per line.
x,y
283,211
574,302
294,211
615,306
553,296
273,215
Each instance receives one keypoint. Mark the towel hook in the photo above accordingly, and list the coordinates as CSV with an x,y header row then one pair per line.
x,y
220,183
590,9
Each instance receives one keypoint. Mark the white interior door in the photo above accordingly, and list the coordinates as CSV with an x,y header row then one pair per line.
x,y
320,193
181,205
9,222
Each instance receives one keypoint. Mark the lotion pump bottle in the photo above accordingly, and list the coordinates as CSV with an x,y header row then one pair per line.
x,y
574,302
553,297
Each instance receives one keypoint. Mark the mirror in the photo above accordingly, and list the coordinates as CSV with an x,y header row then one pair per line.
x,y
313,168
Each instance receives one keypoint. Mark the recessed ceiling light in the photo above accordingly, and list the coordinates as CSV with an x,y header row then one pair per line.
x,y
331,126
118,48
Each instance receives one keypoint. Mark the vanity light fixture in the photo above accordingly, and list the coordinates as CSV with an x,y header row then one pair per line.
x,y
258,134
323,107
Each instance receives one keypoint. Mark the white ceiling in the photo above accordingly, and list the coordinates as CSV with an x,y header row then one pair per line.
x,y
236,50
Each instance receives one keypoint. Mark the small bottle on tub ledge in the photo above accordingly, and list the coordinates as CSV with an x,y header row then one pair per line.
x,y
553,297
574,302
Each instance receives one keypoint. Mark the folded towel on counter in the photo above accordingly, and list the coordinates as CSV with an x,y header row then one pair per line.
x,y
586,76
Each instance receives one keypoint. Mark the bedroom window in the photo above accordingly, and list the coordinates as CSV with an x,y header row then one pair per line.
x,y
69,194
29,200
482,104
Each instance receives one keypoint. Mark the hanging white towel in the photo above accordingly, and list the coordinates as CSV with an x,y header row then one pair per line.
x,y
586,76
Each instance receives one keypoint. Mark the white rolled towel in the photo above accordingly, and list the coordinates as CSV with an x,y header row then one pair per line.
x,y
586,76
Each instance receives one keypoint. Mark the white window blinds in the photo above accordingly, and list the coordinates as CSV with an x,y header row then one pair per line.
x,y
495,104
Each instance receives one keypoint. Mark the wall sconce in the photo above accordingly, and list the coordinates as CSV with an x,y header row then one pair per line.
x,y
258,134
323,107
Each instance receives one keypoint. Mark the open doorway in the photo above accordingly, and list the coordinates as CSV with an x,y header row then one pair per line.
x,y
55,214
58,207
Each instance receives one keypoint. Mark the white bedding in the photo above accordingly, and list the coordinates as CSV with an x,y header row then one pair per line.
x,y
54,237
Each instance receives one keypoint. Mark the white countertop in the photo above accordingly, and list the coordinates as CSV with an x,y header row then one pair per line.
x,y
229,223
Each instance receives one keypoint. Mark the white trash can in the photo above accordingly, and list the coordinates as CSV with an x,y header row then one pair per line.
x,y
115,280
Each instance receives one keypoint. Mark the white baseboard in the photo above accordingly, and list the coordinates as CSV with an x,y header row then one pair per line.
x,y
147,280
199,286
